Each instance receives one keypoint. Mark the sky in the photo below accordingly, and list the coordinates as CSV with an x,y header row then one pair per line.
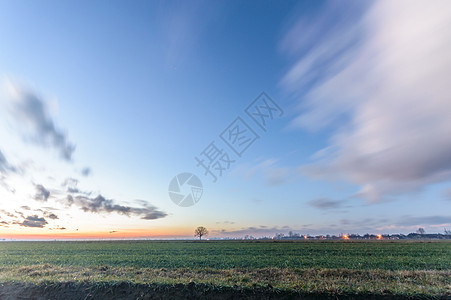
x,y
146,119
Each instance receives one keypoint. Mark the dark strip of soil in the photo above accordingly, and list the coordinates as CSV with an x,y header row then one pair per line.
x,y
125,291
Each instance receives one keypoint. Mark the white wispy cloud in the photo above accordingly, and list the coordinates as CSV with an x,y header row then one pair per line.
x,y
383,89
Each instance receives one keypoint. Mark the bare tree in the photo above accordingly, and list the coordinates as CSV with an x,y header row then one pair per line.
x,y
200,232
421,230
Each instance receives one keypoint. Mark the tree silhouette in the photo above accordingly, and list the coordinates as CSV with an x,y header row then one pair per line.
x,y
200,232
421,230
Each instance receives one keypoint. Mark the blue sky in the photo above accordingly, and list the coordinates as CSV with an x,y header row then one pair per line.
x,y
103,103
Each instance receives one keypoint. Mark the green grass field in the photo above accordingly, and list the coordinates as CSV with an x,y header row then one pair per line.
x,y
321,267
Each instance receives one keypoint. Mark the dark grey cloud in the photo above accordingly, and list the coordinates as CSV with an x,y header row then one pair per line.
x,y
30,111
326,203
71,185
19,213
50,215
42,194
100,204
34,221
46,213
73,190
86,171
76,190
69,201
58,228
7,213
70,182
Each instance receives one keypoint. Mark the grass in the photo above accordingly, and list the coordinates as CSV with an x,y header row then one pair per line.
x,y
226,255
333,281
379,268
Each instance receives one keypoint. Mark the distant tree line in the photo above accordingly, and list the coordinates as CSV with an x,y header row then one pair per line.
x,y
419,234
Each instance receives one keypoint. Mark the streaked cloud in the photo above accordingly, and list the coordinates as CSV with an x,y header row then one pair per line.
x,y
100,204
50,215
4,165
384,92
42,194
58,228
326,203
5,169
30,113
36,220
